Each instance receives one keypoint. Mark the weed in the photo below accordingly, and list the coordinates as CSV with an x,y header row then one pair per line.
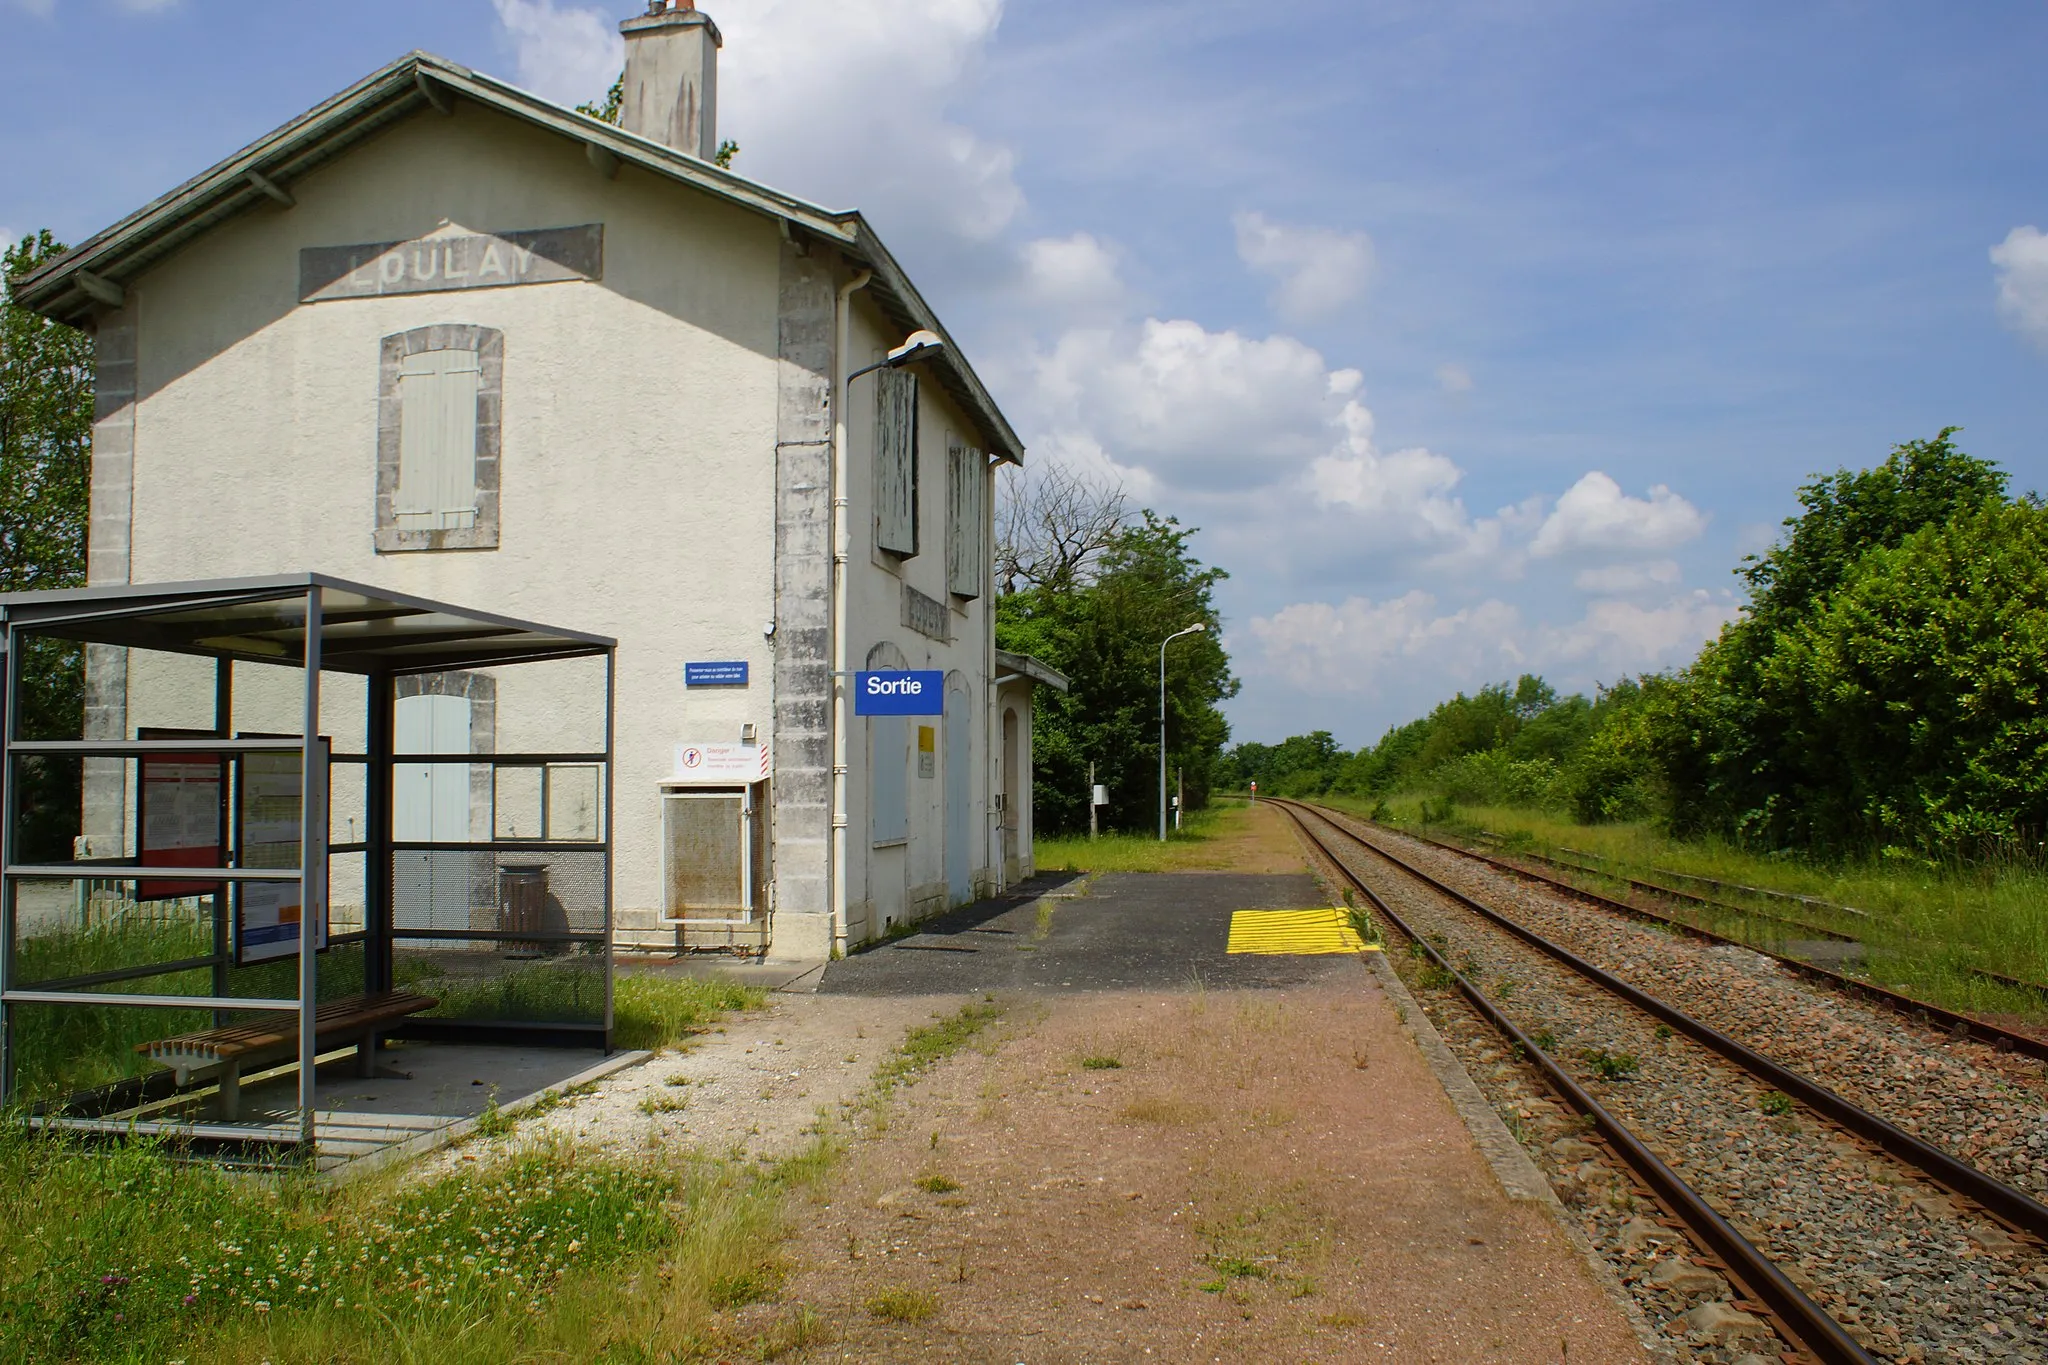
x,y
1165,1109
1343,1317
931,1044
1776,1104
903,1305
680,1079
755,1284
1432,977
493,1122
662,1104
1236,1267
1102,1064
1545,1040
1663,1033
1611,1066
936,1184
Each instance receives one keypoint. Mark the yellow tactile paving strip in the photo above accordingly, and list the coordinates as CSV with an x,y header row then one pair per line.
x,y
1294,933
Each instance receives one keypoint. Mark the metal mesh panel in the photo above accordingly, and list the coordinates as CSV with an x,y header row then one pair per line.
x,y
703,853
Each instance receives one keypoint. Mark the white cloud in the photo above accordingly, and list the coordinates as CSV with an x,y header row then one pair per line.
x,y
1352,646
1453,378
1617,579
1199,408
1362,648
1074,277
847,105
1595,517
2021,264
1319,271
568,54
1616,637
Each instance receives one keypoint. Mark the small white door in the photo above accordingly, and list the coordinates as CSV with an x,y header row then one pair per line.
x,y
430,803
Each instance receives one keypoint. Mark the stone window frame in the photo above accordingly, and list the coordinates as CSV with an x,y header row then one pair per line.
x,y
489,345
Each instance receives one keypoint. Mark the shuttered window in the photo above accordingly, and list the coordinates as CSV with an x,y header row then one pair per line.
x,y
437,393
896,462
966,486
888,779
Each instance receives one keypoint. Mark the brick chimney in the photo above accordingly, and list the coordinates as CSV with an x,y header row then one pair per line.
x,y
671,83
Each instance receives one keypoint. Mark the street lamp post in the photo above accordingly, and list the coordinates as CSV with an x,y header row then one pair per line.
x,y
1196,627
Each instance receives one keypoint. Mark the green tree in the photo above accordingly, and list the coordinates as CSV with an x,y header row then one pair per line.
x,y
1918,693
46,378
1104,632
1735,750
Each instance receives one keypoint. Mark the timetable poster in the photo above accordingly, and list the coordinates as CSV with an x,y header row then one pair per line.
x,y
180,809
268,914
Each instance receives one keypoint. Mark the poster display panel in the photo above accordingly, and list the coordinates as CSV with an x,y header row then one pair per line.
x,y
180,815
268,797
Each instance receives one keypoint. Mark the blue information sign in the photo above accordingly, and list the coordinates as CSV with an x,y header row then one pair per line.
x,y
900,692
732,673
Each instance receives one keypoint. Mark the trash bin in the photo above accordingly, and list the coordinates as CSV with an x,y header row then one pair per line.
x,y
522,907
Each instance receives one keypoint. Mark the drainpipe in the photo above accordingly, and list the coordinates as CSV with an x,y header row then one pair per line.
x,y
836,860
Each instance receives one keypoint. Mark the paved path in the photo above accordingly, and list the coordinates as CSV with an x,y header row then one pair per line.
x,y
1122,931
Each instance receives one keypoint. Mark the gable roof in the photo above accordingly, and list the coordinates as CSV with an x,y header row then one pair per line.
x,y
68,287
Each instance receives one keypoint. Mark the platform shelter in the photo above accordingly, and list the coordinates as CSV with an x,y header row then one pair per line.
x,y
308,871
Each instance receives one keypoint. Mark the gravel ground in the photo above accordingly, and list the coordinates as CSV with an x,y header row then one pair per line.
x,y
1880,1248
1983,1106
755,1088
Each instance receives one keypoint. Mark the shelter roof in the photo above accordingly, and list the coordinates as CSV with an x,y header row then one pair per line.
x,y
1031,668
69,287
362,629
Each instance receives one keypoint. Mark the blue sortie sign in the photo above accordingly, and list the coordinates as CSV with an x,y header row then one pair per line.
x,y
718,674
900,692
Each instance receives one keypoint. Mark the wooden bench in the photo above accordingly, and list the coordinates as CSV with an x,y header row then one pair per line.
x,y
251,1047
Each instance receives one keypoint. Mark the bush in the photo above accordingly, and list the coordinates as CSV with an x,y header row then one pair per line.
x,y
1493,778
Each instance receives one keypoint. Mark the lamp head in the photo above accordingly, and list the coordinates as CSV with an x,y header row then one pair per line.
x,y
919,345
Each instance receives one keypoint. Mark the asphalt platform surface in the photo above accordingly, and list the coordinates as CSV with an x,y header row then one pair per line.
x,y
1117,931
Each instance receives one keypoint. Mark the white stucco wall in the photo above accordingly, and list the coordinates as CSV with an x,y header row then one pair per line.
x,y
638,439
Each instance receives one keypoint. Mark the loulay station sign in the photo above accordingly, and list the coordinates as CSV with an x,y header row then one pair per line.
x,y
451,259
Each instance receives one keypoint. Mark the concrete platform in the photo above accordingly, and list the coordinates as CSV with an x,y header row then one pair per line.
x,y
364,1123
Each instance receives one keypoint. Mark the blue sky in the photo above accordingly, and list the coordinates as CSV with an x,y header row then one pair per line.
x,y
1477,337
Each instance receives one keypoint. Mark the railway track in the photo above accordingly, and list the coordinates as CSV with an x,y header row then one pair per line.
x,y
1887,1262
1748,912
1964,1025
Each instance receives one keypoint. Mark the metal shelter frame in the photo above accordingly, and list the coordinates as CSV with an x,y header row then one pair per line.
x,y
322,625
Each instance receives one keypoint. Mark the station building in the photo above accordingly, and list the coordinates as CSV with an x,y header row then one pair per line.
x,y
445,337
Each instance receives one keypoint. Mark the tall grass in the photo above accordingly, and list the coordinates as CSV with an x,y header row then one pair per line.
x,y
125,1254
1928,923
1185,849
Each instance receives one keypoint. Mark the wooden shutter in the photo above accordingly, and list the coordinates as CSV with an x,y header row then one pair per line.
x,y
437,441
966,484
896,462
